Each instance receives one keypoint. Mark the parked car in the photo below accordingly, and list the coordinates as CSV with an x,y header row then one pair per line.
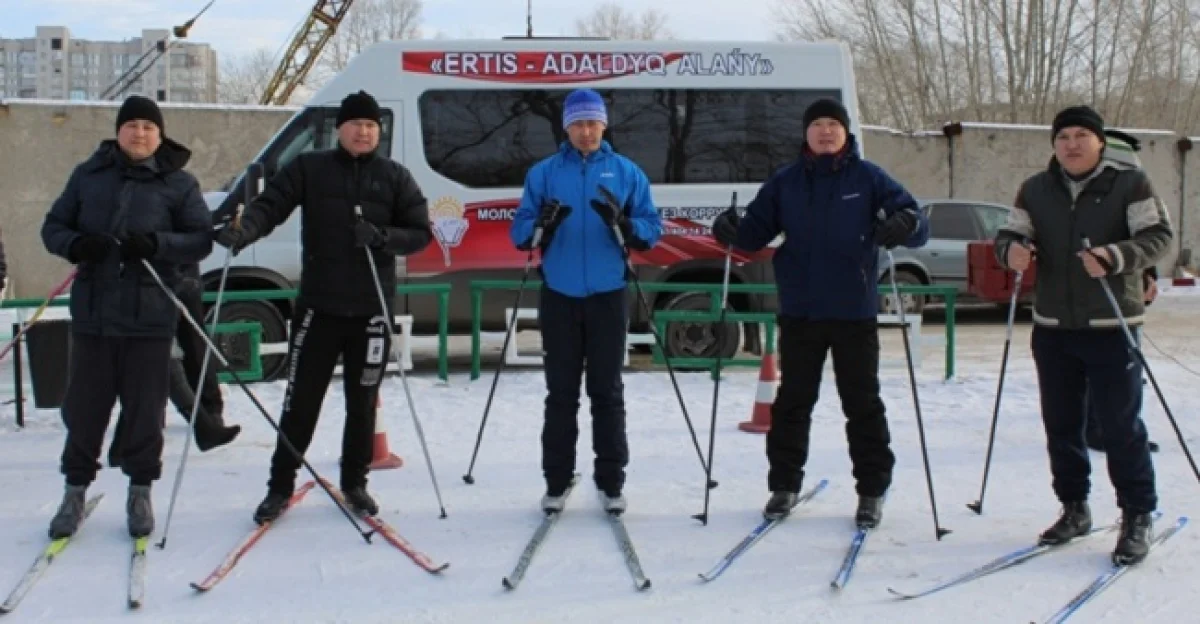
x,y
953,224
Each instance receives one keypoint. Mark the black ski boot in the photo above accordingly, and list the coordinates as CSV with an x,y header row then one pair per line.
x,y
70,512
1134,543
272,507
139,512
780,505
211,430
870,512
360,502
1076,520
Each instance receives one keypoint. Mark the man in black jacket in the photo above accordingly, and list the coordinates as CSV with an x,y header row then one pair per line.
x,y
3,268
338,311
130,202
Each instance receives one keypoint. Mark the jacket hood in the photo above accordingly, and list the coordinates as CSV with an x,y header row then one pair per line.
x,y
170,157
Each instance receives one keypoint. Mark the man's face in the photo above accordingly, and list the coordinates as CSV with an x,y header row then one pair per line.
x,y
586,134
1077,149
139,138
826,135
359,136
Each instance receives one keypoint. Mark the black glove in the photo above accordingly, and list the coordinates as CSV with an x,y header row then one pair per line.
x,y
235,238
367,235
90,248
725,227
612,213
896,229
137,246
552,216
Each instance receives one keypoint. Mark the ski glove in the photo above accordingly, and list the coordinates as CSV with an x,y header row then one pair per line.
x,y
138,246
611,211
549,218
725,227
90,248
235,237
893,231
367,235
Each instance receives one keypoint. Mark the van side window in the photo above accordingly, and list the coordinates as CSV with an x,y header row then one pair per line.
x,y
314,130
490,138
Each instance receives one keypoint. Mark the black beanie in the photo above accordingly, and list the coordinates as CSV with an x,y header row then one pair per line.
x,y
138,107
359,106
1082,116
826,107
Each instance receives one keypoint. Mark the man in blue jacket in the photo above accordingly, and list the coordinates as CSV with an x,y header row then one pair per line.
x,y
834,210
583,310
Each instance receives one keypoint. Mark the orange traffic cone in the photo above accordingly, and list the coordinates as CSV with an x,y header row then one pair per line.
x,y
768,378
381,457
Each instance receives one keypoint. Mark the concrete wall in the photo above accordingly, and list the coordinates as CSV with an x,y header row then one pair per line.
x,y
41,142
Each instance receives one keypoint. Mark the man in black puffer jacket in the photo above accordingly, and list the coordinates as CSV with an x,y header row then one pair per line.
x,y
130,202
338,311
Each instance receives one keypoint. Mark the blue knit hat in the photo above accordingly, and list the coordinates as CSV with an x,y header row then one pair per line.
x,y
584,104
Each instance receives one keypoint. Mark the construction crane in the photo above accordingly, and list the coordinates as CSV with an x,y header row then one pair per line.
x,y
145,62
305,49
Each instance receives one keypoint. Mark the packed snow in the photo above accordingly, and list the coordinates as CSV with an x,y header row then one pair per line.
x,y
313,567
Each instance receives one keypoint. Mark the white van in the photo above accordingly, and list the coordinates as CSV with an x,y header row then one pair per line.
x,y
468,118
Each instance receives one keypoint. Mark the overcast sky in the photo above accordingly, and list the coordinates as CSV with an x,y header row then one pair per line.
x,y
239,26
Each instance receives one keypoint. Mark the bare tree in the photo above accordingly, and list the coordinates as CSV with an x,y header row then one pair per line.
x,y
920,62
611,20
243,77
369,22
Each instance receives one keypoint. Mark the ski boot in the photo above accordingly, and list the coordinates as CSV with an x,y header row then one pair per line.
x,y
70,512
139,512
1076,520
780,505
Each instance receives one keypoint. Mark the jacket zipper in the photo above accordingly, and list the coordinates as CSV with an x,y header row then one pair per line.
x,y
583,229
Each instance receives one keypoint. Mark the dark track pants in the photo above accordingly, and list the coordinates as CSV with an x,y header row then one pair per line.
x,y
802,348
104,369
1072,364
575,330
317,341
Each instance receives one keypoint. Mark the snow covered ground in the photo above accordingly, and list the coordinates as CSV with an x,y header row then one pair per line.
x,y
312,567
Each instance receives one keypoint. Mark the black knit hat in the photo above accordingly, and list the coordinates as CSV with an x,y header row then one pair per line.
x,y
1082,116
359,106
826,107
138,107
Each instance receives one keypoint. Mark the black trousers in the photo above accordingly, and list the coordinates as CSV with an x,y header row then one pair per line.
x,y
1073,365
802,348
194,347
317,341
574,331
103,370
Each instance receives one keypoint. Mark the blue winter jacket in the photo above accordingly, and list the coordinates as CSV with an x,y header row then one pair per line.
x,y
583,257
827,207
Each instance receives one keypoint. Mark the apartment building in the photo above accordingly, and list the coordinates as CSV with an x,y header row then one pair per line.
x,y
54,66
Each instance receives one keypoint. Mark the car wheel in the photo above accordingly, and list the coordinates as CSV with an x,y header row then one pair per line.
x,y
683,339
236,347
913,304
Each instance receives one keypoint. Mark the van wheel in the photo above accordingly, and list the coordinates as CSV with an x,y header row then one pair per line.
x,y
684,339
913,304
236,347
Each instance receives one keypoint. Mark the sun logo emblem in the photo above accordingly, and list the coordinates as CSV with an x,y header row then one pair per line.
x,y
449,226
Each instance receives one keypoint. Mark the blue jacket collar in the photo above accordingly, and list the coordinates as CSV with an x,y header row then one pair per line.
x,y
568,151
829,163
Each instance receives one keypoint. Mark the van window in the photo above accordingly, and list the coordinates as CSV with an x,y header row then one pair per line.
x,y
490,138
314,130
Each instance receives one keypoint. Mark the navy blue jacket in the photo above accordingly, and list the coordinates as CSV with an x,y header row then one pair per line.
x,y
826,207
583,257
107,194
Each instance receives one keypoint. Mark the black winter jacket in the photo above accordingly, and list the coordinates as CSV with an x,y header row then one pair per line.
x,y
3,266
107,194
335,277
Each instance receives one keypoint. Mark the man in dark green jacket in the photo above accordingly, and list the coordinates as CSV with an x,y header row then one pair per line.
x,y
1077,340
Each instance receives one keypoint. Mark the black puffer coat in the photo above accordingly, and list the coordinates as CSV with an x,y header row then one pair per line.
x,y
108,194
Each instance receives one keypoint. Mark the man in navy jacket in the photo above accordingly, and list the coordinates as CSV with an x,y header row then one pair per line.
x,y
834,210
583,309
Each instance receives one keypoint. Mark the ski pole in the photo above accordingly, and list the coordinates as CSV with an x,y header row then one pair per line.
x,y
395,348
912,381
977,506
468,478
1137,352
366,535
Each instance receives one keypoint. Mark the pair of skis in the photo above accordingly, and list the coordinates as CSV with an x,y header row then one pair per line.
x,y
382,528
624,542
137,565
1019,556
